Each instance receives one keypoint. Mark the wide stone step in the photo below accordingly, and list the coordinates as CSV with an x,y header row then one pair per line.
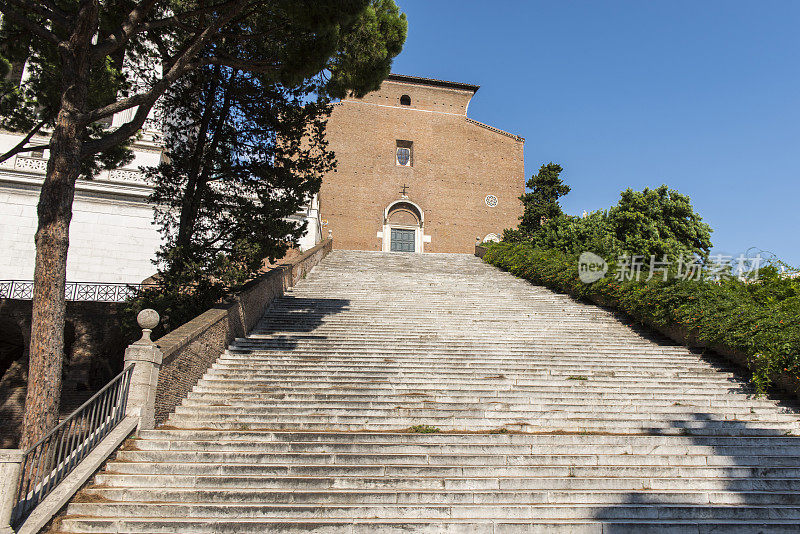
x,y
482,396
564,424
444,361
487,356
733,402
348,446
569,374
661,385
579,404
588,440
151,468
450,496
406,526
444,350
343,398
530,411
729,484
530,414
497,388
640,511
444,458
300,365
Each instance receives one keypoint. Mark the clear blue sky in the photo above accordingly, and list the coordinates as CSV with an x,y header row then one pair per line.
x,y
700,95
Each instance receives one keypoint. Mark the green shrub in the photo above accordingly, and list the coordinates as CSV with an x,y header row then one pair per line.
x,y
760,319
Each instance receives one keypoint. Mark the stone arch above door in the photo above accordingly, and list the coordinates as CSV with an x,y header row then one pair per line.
x,y
400,219
404,210
403,217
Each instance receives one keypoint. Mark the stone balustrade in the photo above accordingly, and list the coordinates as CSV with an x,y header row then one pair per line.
x,y
38,165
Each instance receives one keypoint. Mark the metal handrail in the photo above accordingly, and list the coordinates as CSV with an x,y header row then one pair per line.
x,y
77,291
54,456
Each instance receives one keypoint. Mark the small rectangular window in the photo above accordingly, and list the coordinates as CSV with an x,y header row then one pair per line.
x,y
404,153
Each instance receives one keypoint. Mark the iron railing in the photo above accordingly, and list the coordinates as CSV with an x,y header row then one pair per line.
x,y
79,291
50,460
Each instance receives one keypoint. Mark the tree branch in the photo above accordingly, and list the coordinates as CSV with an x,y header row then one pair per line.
x,y
51,13
167,21
121,134
55,9
135,24
21,145
236,63
23,21
127,29
179,66
146,100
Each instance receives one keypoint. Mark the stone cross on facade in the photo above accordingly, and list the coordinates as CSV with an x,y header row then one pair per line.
x,y
403,192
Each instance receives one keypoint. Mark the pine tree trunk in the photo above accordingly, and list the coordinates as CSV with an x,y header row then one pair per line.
x,y
47,323
46,351
192,194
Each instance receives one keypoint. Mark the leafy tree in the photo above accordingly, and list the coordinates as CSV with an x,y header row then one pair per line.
x,y
541,202
659,222
653,222
244,154
75,51
242,157
577,234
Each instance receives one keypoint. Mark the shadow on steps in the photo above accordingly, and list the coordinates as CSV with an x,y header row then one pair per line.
x,y
755,493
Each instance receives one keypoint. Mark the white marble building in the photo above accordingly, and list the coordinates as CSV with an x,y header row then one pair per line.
x,y
112,235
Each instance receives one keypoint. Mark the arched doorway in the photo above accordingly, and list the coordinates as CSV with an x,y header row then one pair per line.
x,y
403,224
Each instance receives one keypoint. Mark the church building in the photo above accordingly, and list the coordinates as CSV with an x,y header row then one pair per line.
x,y
416,174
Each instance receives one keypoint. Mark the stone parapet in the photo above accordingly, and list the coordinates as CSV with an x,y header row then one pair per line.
x,y
188,351
10,462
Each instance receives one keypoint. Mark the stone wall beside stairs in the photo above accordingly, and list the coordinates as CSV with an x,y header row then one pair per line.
x,y
191,349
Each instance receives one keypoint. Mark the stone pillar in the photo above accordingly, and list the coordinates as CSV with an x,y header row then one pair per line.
x,y
10,464
146,357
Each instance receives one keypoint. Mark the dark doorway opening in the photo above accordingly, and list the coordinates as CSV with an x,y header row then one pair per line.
x,y
403,240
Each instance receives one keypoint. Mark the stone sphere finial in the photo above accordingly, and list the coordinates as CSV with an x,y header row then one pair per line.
x,y
147,319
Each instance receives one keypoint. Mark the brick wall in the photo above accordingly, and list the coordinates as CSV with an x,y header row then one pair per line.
x,y
456,164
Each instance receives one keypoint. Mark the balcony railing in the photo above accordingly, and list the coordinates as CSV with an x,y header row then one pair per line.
x,y
77,291
38,165
54,457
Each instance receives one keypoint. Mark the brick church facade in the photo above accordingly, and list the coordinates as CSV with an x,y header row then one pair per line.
x,y
415,174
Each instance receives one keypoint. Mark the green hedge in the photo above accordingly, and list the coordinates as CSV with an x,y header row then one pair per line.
x,y
760,320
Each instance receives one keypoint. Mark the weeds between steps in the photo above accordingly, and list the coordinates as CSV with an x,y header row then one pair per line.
x,y
424,429
577,377
129,444
85,497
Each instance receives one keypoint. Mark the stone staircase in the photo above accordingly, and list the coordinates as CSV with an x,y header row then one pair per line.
x,y
553,416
